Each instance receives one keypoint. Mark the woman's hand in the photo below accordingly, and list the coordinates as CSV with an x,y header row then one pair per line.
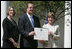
x,y
15,44
41,41
50,33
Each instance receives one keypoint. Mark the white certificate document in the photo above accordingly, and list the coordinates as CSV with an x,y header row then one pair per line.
x,y
41,34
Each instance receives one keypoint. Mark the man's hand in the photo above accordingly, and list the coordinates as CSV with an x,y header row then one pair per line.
x,y
31,33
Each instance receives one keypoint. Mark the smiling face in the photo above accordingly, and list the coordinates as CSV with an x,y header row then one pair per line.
x,y
10,11
30,8
50,17
50,20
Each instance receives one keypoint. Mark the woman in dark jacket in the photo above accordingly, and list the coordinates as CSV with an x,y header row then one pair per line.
x,y
10,28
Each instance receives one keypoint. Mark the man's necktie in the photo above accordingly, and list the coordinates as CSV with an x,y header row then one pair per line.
x,y
32,21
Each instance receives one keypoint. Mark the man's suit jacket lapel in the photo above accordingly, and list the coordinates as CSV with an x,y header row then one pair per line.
x,y
28,20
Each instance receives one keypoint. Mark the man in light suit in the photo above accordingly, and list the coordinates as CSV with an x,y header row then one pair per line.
x,y
26,24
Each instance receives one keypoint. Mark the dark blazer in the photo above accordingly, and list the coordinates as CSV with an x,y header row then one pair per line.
x,y
10,31
25,27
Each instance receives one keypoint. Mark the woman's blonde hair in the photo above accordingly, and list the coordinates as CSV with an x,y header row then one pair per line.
x,y
9,10
51,14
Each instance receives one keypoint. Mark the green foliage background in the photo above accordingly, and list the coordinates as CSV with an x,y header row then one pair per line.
x,y
41,8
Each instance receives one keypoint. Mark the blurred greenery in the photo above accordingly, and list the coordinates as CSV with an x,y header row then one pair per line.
x,y
41,8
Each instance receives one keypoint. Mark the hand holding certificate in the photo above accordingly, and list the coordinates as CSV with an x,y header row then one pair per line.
x,y
41,34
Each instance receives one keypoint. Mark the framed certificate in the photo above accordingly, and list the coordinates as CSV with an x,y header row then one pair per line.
x,y
41,34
